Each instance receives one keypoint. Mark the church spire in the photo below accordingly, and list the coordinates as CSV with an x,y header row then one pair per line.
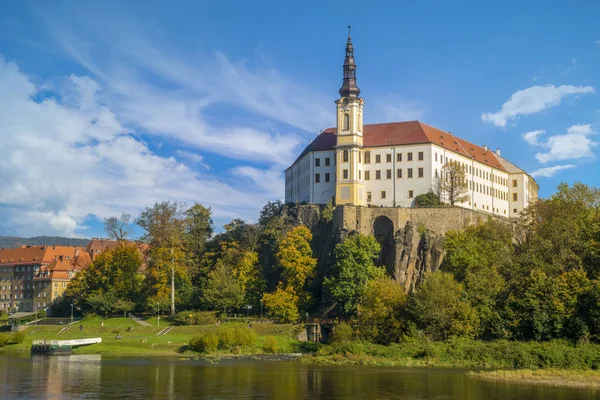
x,y
349,87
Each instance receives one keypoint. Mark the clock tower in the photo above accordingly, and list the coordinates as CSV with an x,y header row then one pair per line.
x,y
349,188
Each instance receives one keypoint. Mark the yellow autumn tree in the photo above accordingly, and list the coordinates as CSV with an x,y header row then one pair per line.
x,y
298,265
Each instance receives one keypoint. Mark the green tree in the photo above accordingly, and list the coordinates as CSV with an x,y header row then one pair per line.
x,y
380,311
353,269
223,291
440,308
296,259
428,199
103,303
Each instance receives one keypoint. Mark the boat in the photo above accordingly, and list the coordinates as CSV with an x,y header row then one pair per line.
x,y
53,347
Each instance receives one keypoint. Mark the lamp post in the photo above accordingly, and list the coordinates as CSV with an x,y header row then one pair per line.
x,y
71,312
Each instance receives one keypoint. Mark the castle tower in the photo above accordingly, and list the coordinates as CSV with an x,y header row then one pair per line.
x,y
349,143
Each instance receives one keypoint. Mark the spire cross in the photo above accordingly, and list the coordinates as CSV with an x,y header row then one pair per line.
x,y
349,26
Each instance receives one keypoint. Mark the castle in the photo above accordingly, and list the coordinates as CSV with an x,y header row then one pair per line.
x,y
390,164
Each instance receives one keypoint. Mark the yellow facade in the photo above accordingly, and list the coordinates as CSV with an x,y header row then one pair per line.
x,y
349,146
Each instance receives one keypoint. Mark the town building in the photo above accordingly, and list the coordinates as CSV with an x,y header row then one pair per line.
x,y
390,164
33,277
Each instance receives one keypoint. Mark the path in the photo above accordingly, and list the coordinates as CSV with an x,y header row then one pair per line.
x,y
139,321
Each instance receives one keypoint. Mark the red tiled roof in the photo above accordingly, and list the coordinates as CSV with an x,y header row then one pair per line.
x,y
409,132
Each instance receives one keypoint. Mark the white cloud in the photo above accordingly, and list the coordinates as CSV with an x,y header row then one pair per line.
x,y
533,100
566,147
533,136
66,158
550,171
581,129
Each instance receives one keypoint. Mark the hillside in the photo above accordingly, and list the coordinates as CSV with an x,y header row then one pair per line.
x,y
12,242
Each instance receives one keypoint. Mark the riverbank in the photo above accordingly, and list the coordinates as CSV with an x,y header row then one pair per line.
x,y
463,353
548,377
138,340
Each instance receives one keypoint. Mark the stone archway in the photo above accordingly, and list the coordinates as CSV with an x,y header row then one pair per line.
x,y
383,230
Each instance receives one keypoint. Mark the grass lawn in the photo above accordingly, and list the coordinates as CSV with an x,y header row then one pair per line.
x,y
587,379
142,340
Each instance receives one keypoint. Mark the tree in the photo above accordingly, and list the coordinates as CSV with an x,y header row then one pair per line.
x,y
164,225
380,310
328,210
118,228
296,260
451,185
428,199
441,310
103,303
223,291
353,269
270,210
198,229
282,305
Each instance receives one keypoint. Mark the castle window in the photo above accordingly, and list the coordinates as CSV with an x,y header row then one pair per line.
x,y
514,197
420,172
317,162
514,183
383,194
437,176
367,157
378,174
514,210
409,156
436,157
317,178
420,156
399,157
388,174
345,174
359,174
346,122
326,177
345,156
377,158
327,162
409,172
399,173
368,197
359,156
367,175
388,158
411,194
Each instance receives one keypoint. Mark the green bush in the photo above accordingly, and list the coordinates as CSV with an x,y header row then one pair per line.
x,y
17,337
195,318
342,332
4,339
271,345
205,343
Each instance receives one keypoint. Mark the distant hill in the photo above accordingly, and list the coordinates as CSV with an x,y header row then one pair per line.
x,y
7,242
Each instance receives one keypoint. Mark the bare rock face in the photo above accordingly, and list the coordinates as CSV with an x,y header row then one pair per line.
x,y
414,255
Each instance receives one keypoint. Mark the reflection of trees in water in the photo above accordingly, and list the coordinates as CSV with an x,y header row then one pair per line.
x,y
160,378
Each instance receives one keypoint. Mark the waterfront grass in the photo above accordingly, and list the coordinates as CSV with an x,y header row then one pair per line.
x,y
137,340
463,353
584,379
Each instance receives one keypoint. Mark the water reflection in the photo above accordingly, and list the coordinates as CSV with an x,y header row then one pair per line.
x,y
93,377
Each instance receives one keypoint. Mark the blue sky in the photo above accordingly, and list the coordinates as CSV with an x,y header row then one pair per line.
x,y
107,107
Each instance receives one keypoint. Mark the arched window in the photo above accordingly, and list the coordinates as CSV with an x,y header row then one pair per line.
x,y
359,122
367,157
345,156
346,124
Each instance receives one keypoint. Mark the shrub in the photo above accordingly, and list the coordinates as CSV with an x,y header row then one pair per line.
x,y
342,332
17,337
271,345
195,318
4,339
205,343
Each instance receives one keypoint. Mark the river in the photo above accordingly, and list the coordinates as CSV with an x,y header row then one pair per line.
x,y
96,377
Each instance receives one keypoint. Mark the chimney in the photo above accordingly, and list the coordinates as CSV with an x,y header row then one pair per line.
x,y
60,258
484,147
497,151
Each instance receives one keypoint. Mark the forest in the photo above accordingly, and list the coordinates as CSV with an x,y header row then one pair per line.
x,y
532,279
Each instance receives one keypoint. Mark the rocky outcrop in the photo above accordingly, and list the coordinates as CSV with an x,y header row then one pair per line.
x,y
415,254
